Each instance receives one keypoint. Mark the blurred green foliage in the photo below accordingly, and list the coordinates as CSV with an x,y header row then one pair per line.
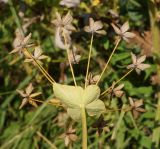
x,y
18,128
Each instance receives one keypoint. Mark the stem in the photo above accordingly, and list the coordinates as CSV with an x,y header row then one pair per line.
x,y
70,64
118,41
50,79
84,128
46,140
16,17
118,81
89,58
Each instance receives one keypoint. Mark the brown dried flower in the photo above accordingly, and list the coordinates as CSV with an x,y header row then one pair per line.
x,y
28,96
136,107
95,27
123,31
73,56
63,28
37,55
22,42
138,64
69,136
92,79
117,91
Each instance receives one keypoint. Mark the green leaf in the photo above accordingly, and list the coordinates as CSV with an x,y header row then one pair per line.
x,y
95,107
75,114
91,93
71,96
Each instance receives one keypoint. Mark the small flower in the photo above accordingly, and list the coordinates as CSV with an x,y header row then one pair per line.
x,y
28,96
64,22
101,125
123,31
23,43
136,107
37,55
95,27
63,28
138,63
117,90
70,3
92,79
73,56
69,136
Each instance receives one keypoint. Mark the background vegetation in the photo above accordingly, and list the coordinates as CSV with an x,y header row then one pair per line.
x,y
41,127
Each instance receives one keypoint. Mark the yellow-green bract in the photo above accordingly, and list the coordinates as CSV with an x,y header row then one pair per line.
x,y
76,98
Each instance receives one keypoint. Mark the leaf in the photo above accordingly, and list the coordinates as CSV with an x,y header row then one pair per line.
x,y
91,93
95,107
75,114
71,96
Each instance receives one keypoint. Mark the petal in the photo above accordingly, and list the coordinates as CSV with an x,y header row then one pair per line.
x,y
138,71
43,57
67,19
37,52
33,103
29,89
15,50
95,107
131,101
140,110
91,93
91,22
130,66
97,25
101,32
116,29
119,87
134,58
35,94
24,102
141,59
143,66
125,27
129,35
138,103
87,29
118,93
26,39
21,92
58,40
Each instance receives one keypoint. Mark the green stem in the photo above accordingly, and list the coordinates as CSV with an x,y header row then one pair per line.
x,y
155,27
84,129
118,41
89,59
118,81
70,64
16,17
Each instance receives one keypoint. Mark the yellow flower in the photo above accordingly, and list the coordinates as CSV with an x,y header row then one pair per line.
x,y
95,2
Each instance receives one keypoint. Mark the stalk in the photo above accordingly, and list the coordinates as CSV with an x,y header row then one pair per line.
x,y
155,27
118,81
118,41
84,128
89,58
70,64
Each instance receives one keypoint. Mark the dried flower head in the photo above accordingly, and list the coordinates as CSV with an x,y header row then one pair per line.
x,y
92,79
22,43
69,136
73,56
138,64
70,3
37,55
63,30
123,31
28,96
101,125
64,22
117,91
136,107
95,27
